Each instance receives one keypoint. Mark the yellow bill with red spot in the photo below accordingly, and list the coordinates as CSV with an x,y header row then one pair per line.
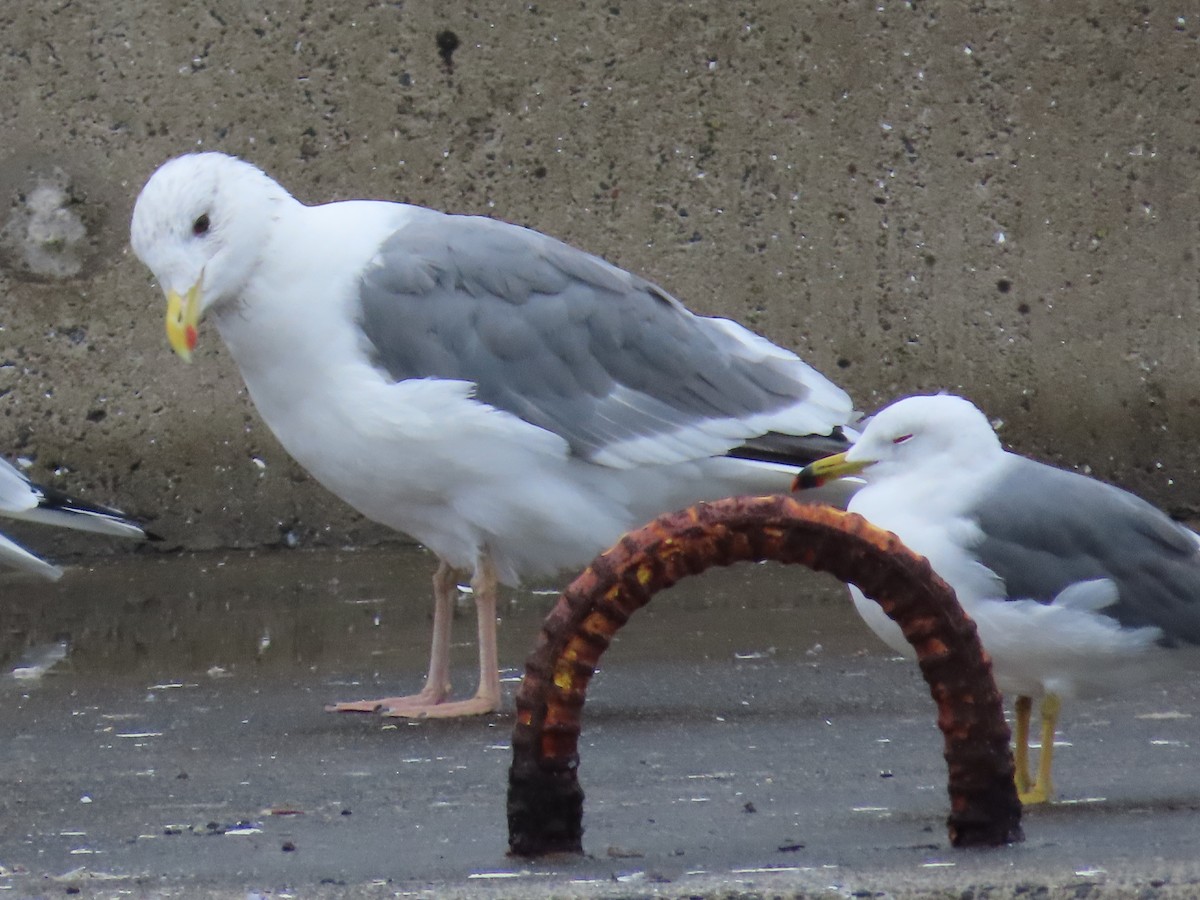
x,y
183,317
819,472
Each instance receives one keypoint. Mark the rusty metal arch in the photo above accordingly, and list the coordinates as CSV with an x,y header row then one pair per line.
x,y
545,801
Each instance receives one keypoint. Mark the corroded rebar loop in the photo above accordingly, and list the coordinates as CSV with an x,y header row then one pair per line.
x,y
545,801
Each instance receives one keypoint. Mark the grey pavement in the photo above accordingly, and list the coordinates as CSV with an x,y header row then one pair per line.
x,y
745,735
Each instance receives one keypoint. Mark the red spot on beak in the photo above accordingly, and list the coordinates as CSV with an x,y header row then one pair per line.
x,y
192,337
803,481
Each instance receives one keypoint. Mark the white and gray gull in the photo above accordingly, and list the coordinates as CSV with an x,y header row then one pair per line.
x,y
1076,586
511,402
23,500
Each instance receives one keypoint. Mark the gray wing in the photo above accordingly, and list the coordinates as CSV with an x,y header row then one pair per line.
x,y
1045,528
21,499
17,494
611,363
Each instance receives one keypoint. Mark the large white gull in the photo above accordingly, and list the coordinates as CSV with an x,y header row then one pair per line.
x,y
23,500
1076,586
509,401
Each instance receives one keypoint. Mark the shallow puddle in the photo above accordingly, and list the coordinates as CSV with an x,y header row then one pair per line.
x,y
359,611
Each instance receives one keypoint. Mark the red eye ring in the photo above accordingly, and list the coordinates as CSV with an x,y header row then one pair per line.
x,y
902,439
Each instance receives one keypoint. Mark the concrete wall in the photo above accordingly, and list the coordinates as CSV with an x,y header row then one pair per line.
x,y
1001,199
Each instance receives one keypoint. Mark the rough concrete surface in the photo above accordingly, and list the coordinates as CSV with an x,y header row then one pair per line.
x,y
745,736
998,199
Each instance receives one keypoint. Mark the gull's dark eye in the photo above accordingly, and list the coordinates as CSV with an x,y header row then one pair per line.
x,y
902,439
200,226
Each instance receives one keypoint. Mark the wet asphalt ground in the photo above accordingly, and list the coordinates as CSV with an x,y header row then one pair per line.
x,y
164,736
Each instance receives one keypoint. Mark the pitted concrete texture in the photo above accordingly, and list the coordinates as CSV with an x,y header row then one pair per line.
x,y
997,200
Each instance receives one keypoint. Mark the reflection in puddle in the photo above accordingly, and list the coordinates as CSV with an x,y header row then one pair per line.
x,y
37,660
351,615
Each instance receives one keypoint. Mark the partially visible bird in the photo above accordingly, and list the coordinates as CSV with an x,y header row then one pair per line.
x,y
509,401
21,499
1076,586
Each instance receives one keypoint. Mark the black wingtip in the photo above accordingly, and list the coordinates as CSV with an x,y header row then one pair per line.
x,y
55,501
52,498
792,449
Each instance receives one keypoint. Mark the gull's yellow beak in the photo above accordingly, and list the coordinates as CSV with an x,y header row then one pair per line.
x,y
183,315
817,473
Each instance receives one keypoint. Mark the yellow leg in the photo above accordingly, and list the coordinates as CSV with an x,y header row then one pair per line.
x,y
1043,788
1022,710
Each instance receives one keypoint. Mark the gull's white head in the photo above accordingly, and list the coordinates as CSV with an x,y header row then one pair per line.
x,y
200,224
914,434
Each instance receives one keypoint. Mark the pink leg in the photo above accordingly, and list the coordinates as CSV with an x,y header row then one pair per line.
x,y
437,682
487,697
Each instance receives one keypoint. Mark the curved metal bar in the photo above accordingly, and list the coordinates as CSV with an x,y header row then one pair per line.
x,y
545,801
